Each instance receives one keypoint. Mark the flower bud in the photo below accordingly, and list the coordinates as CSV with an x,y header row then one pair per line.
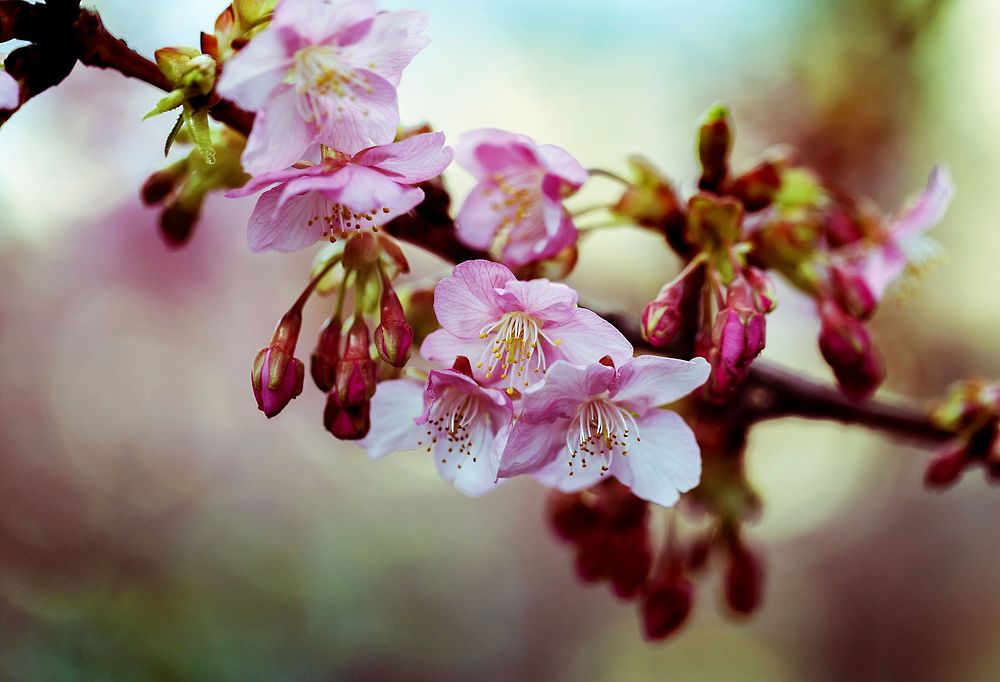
x,y
758,186
738,336
666,604
361,251
765,300
650,201
277,377
852,292
713,222
393,336
163,182
324,359
945,470
744,579
570,516
848,349
662,318
632,560
715,140
356,369
346,422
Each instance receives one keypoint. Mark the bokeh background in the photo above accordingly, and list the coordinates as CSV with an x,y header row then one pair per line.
x,y
153,526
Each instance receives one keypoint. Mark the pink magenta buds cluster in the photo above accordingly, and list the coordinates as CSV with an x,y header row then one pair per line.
x,y
277,376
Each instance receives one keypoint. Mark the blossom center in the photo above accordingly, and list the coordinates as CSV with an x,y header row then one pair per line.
x,y
339,221
599,430
454,424
318,75
518,196
516,340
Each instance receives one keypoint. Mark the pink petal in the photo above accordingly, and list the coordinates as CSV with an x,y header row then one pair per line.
x,y
565,388
367,117
665,463
487,151
394,410
480,217
474,473
467,301
296,225
587,338
10,92
321,22
926,210
547,302
648,381
558,163
253,74
412,160
557,474
882,266
389,44
531,447
279,137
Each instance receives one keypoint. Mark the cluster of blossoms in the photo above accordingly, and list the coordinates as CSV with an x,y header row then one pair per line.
x,y
514,376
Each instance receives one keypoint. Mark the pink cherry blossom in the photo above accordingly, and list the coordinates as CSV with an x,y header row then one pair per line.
x,y
10,92
519,195
324,71
512,330
340,194
582,423
463,425
904,241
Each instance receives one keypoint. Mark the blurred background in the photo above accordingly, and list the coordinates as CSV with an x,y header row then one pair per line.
x,y
154,526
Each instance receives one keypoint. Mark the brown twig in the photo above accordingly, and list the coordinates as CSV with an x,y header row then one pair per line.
x,y
770,392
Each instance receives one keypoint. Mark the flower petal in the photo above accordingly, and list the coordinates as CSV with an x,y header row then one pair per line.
x,y
279,137
480,217
321,22
927,209
565,388
291,227
412,160
560,163
389,44
366,117
665,463
532,447
394,411
10,92
588,337
253,73
547,302
560,475
487,151
467,301
474,472
648,381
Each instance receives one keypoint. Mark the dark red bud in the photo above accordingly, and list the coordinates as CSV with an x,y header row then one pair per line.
x,y
356,369
715,140
852,292
744,579
346,422
945,470
665,606
570,516
848,349
324,359
758,186
393,336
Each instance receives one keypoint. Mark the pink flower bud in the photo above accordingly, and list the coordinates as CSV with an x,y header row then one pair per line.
x,y
765,300
324,359
852,292
277,379
738,336
661,318
393,336
666,604
946,469
848,349
276,376
744,579
346,422
356,369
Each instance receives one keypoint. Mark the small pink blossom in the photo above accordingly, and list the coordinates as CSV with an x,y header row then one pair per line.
x,y
463,425
904,240
10,92
519,196
512,331
324,71
585,422
340,195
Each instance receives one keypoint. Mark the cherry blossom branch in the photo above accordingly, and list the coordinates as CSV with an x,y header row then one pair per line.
x,y
769,393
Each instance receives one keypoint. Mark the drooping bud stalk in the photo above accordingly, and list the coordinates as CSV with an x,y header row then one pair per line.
x,y
393,335
851,292
346,422
847,347
356,369
715,140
